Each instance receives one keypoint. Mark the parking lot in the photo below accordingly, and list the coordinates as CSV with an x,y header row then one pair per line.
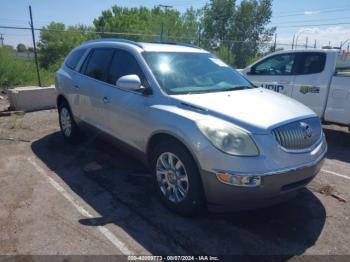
x,y
93,198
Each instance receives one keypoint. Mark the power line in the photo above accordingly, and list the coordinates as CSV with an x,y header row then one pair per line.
x,y
184,38
312,20
331,24
318,12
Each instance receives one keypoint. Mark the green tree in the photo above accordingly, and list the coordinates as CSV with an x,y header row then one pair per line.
x,y
21,47
144,24
250,29
237,33
57,40
218,19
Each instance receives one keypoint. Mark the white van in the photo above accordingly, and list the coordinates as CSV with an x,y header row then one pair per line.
x,y
318,78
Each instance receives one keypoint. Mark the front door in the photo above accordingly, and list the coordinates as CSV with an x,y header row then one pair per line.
x,y
274,73
126,111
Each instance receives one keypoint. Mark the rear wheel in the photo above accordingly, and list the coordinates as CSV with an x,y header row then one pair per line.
x,y
177,178
69,128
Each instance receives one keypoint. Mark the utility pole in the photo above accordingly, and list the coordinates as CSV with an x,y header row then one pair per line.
x,y
275,45
162,28
34,46
293,42
306,42
1,40
315,44
199,35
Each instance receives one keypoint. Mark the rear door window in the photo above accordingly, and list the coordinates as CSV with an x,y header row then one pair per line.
x,y
310,63
98,63
74,58
276,65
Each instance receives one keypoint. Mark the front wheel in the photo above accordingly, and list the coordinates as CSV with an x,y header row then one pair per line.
x,y
177,178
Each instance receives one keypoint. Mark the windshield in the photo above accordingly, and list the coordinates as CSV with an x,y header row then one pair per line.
x,y
187,73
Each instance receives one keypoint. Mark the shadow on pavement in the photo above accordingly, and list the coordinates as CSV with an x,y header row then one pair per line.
x,y
338,144
118,188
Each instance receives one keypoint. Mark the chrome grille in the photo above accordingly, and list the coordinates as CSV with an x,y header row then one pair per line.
x,y
299,135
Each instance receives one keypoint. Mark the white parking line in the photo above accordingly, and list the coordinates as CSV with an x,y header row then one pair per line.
x,y
105,231
335,174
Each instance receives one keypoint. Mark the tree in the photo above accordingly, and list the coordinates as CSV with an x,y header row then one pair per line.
x,y
21,47
57,40
218,18
236,33
144,24
251,19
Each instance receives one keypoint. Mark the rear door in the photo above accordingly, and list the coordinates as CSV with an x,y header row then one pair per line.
x,y
274,73
338,105
311,82
92,84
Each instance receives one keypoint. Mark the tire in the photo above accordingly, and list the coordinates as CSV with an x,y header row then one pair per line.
x,y
69,128
171,184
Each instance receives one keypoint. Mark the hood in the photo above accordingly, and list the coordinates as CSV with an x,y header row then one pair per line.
x,y
256,109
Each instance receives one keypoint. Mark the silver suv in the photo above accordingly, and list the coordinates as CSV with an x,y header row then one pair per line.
x,y
209,136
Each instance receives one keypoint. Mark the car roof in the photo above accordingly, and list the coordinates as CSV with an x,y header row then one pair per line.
x,y
145,46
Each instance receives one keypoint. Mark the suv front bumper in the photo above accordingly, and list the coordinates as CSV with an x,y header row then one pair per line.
x,y
275,187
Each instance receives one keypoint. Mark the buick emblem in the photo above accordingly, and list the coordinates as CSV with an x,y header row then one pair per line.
x,y
307,130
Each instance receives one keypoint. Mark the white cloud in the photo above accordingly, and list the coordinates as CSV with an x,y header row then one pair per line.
x,y
311,12
322,35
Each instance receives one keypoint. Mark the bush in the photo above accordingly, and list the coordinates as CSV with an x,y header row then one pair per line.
x,y
18,72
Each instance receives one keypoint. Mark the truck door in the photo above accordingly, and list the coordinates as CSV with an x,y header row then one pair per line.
x,y
274,73
311,82
338,105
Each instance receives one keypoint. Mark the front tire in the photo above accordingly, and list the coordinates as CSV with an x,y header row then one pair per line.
x,y
69,128
177,179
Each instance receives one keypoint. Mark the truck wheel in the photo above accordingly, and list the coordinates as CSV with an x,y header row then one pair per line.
x,y
177,179
69,128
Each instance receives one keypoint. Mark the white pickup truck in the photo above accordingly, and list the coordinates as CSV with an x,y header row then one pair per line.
x,y
318,78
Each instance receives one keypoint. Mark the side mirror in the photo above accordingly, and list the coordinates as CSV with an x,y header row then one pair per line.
x,y
251,71
129,82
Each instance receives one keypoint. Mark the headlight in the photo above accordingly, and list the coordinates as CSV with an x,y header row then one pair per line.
x,y
228,138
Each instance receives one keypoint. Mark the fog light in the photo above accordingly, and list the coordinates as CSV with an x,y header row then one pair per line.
x,y
239,180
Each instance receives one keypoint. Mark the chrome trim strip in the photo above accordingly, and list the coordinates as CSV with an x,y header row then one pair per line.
x,y
275,172
305,150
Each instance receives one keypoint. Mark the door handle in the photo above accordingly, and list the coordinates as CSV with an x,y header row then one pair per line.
x,y
76,86
105,100
285,82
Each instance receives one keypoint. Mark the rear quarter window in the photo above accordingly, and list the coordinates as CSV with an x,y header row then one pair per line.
x,y
74,58
343,64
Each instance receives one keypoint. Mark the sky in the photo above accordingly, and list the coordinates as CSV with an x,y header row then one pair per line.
x,y
305,19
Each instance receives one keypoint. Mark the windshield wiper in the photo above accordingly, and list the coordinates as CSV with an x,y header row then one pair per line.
x,y
236,88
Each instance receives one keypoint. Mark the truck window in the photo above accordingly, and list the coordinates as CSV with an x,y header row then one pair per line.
x,y
343,64
276,65
310,63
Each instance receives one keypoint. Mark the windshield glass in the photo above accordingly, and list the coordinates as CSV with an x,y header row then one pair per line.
x,y
187,73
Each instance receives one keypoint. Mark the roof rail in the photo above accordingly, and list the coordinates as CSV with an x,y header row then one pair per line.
x,y
120,40
188,45
181,44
